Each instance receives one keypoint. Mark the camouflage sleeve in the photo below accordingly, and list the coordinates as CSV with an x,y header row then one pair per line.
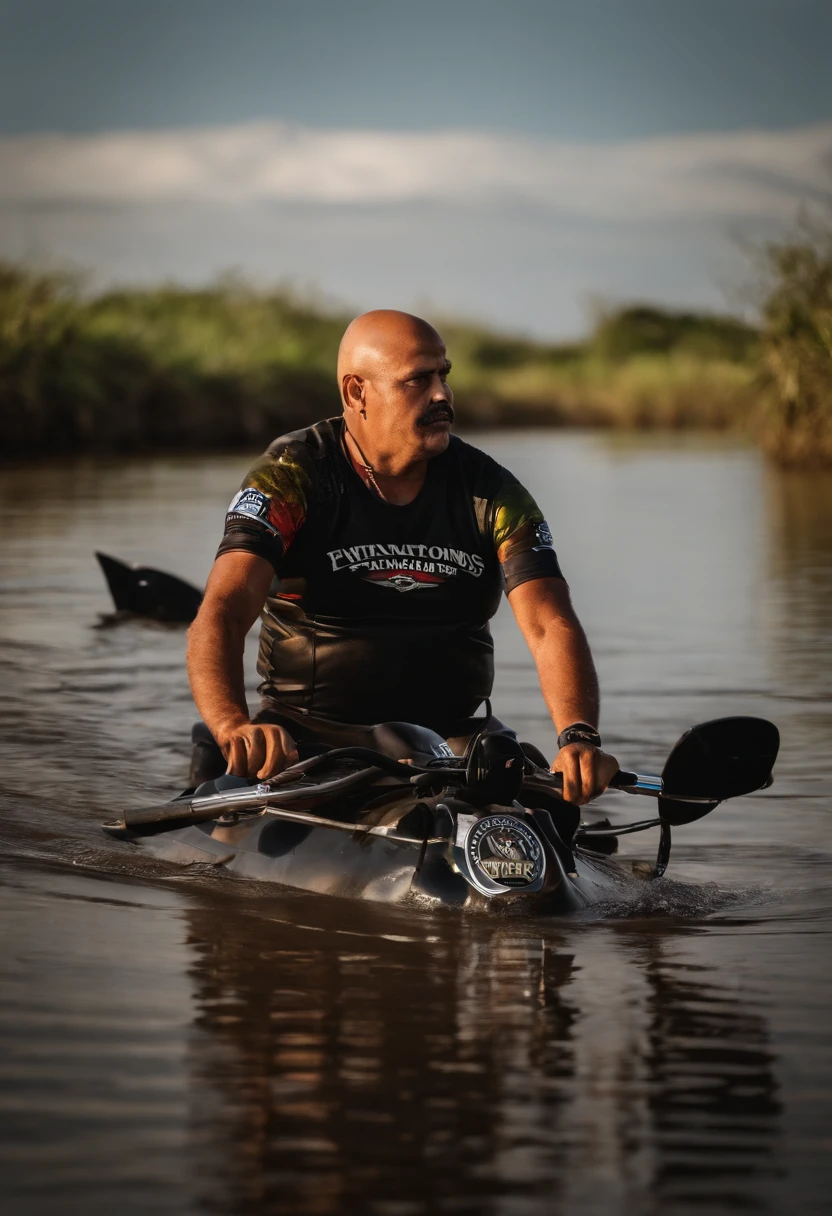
x,y
522,539
271,506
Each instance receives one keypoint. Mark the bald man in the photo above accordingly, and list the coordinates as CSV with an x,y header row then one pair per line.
x,y
379,546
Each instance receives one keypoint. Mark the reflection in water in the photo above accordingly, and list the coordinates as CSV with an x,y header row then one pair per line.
x,y
801,505
802,562
802,518
386,1091
489,1070
800,614
714,1097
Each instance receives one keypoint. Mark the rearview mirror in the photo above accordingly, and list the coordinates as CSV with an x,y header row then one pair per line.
x,y
716,760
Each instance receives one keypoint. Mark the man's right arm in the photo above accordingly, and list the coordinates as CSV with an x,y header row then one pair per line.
x,y
234,597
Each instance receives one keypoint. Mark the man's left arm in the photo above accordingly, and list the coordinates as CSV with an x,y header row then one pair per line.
x,y
543,610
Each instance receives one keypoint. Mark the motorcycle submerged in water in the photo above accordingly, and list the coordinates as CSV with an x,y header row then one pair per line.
x,y
405,818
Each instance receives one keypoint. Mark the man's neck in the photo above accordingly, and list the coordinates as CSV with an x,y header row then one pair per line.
x,y
397,482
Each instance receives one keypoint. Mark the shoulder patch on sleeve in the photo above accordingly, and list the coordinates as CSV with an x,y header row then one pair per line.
x,y
252,504
543,537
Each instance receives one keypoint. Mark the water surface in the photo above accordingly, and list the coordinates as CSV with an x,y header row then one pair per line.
x,y
174,1040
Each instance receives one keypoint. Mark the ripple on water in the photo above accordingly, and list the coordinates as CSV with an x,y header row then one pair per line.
x,y
668,897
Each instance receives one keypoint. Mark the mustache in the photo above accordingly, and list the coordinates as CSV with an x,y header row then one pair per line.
x,y
443,413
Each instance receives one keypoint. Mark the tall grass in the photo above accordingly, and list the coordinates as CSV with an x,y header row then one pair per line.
x,y
640,367
162,368
795,420
231,366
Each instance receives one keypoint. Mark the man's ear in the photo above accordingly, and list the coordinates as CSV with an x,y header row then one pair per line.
x,y
353,392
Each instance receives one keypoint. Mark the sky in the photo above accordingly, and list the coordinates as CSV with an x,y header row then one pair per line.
x,y
511,162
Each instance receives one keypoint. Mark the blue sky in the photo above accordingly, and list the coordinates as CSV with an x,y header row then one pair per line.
x,y
505,160
584,69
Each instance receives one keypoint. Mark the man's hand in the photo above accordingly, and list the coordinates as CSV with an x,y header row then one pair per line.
x,y
587,771
257,751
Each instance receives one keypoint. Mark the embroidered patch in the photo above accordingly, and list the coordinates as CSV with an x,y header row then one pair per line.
x,y
543,537
252,503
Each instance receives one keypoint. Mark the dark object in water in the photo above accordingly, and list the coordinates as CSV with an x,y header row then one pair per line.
x,y
143,591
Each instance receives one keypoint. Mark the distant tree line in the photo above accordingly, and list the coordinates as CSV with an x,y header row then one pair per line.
x,y
230,366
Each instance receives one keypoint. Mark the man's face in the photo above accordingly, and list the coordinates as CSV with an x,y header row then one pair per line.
x,y
409,401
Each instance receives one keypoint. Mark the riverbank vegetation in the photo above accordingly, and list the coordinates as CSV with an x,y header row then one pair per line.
x,y
794,419
230,366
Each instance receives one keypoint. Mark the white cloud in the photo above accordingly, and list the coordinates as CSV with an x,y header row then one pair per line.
x,y
708,176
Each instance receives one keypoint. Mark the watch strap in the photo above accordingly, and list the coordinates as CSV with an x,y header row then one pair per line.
x,y
579,732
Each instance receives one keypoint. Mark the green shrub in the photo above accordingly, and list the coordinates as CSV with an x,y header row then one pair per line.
x,y
795,420
640,329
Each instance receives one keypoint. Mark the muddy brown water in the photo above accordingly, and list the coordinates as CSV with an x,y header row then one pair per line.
x,y
178,1041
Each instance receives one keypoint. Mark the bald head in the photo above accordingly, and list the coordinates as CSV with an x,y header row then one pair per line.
x,y
393,377
379,341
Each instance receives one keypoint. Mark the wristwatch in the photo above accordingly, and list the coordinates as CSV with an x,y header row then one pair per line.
x,y
579,732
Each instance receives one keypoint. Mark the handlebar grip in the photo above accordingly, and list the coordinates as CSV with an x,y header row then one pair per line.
x,y
623,778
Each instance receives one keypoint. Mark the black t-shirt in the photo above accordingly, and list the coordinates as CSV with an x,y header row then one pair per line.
x,y
380,612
